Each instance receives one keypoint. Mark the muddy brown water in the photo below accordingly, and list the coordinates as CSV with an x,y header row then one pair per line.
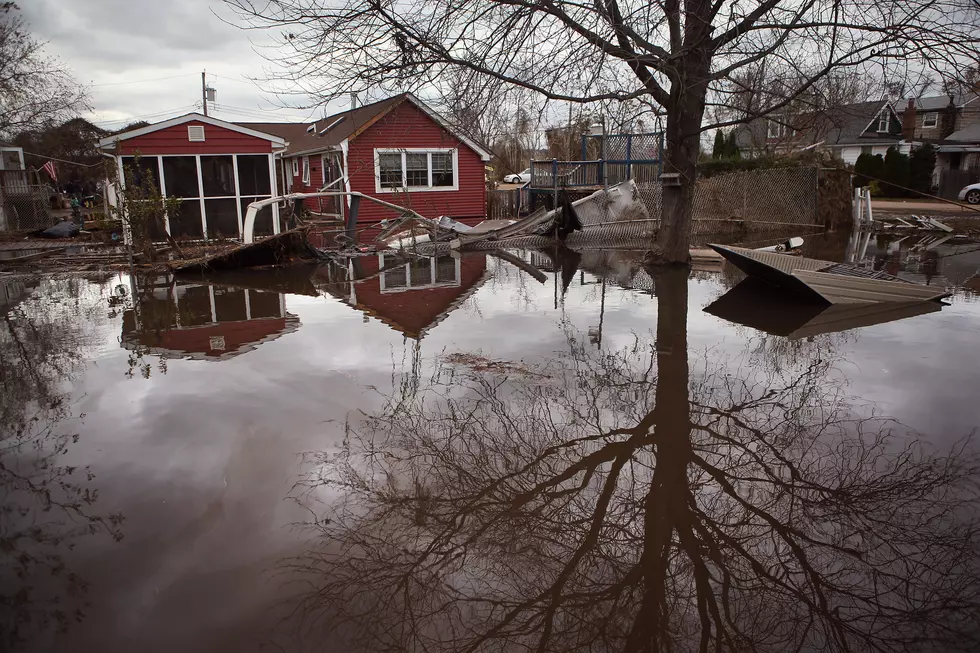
x,y
450,456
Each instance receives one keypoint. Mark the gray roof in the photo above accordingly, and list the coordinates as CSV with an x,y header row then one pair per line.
x,y
936,102
969,134
850,123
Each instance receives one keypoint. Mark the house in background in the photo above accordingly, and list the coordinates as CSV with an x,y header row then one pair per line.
x,y
13,183
397,150
951,123
847,131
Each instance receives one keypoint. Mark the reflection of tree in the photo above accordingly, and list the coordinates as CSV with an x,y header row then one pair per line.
x,y
46,504
609,501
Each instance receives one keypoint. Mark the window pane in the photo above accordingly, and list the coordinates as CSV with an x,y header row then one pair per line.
x,y
421,272
253,175
194,304
445,269
180,176
391,170
264,304
218,175
442,169
395,277
222,218
147,169
417,169
229,304
263,221
187,223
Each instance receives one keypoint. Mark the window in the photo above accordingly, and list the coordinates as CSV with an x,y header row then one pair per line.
x,y
146,170
442,169
867,149
884,122
306,170
180,176
195,133
930,119
218,176
390,170
778,129
416,169
295,167
432,272
253,174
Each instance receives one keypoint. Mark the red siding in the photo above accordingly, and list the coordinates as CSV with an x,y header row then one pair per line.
x,y
173,140
411,311
407,126
316,178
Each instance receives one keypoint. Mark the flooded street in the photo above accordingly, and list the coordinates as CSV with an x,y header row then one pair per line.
x,y
455,455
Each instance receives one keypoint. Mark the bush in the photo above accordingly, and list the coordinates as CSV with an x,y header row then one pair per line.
x,y
867,168
896,174
921,166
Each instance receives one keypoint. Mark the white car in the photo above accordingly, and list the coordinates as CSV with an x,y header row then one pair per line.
x,y
519,178
971,194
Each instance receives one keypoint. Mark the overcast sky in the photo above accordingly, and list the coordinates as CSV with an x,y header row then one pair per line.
x,y
118,46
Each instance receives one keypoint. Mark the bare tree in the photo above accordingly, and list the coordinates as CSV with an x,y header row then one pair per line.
x,y
680,56
35,89
612,500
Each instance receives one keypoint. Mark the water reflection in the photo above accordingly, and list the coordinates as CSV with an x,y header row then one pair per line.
x,y
214,320
48,505
409,294
641,499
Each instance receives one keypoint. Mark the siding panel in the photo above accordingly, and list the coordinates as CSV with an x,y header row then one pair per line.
x,y
173,140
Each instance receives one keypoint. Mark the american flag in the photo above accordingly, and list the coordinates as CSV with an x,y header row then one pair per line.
x,y
50,169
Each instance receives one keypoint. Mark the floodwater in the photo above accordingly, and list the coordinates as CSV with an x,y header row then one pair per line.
x,y
556,453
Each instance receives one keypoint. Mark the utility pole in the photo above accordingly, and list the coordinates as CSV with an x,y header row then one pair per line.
x,y
204,92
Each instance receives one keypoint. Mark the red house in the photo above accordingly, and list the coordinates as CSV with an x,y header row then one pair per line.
x,y
397,150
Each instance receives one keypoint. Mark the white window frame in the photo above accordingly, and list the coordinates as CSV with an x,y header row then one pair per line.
x,y
884,122
930,119
416,150
295,167
777,129
306,171
420,284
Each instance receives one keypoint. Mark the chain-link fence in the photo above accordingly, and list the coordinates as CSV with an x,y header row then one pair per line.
x,y
24,207
751,201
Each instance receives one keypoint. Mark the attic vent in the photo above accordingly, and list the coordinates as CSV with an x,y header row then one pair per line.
x,y
332,125
195,133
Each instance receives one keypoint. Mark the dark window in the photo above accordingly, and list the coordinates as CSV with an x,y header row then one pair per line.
x,y
253,174
180,176
229,304
194,305
395,277
187,223
218,176
222,218
390,164
867,149
416,169
263,221
264,304
421,272
146,169
445,269
442,169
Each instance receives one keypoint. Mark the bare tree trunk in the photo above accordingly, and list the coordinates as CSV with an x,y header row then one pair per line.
x,y
685,111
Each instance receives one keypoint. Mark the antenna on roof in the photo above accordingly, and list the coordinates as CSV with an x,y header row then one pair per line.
x,y
332,125
353,101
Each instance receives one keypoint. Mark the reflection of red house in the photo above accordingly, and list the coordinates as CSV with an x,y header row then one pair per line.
x,y
412,297
204,321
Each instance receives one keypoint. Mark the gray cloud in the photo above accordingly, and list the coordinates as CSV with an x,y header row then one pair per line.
x,y
112,43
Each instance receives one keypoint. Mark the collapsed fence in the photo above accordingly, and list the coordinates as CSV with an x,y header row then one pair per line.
x,y
774,200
